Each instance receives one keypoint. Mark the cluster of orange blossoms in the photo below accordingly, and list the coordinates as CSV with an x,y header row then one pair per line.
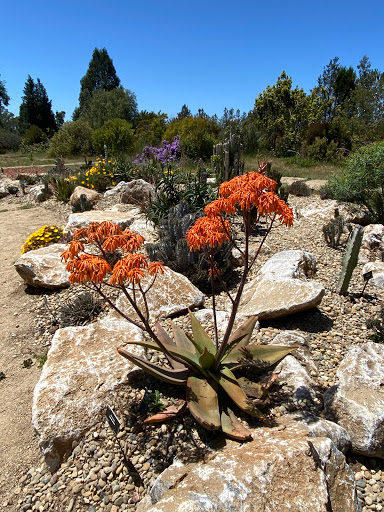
x,y
108,237
247,192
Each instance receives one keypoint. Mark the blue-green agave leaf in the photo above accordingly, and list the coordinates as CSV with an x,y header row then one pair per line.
x,y
265,355
206,359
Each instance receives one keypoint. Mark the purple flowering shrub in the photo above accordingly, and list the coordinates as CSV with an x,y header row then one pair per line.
x,y
165,155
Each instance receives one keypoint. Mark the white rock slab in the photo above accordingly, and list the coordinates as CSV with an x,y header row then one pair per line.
x,y
171,294
357,402
280,470
43,267
377,269
82,372
84,219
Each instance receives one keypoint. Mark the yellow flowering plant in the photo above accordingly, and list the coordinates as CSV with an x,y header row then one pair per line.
x,y
44,236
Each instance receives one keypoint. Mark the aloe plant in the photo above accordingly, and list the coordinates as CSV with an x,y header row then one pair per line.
x,y
203,383
206,368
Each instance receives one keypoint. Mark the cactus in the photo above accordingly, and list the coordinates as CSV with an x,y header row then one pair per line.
x,y
226,159
82,205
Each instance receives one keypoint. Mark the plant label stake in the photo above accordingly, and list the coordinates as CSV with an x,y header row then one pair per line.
x,y
367,276
114,424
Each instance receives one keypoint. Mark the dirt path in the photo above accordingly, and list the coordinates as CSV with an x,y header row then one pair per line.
x,y
19,450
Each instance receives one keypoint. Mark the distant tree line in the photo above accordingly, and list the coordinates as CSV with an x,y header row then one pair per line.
x,y
344,111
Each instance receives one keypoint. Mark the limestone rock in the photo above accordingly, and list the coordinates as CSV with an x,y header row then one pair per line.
x,y
118,189
279,290
91,195
319,427
43,267
138,192
237,257
280,470
145,228
297,369
84,219
372,244
357,402
172,293
82,372
289,264
40,193
377,269
5,183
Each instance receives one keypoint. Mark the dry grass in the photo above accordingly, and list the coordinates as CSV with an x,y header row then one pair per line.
x,y
296,166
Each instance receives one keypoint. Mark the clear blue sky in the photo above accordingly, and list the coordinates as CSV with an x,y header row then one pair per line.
x,y
207,54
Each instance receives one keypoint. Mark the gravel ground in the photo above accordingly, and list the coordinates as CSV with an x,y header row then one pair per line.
x,y
96,478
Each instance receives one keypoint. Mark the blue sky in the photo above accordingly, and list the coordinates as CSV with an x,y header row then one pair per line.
x,y
207,54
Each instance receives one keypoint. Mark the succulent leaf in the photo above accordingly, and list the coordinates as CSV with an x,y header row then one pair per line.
x,y
263,354
203,402
230,385
201,339
242,335
168,413
232,427
171,376
183,354
254,390
206,359
168,341
182,340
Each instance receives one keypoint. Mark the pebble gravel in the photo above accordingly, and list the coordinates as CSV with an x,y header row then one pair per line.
x,y
112,474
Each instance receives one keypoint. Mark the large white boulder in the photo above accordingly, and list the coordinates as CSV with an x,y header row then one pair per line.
x,y
357,401
91,195
81,375
281,287
43,267
283,469
84,219
172,293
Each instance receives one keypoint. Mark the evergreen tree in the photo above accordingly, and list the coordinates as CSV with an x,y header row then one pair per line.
x,y
4,100
101,75
184,112
36,108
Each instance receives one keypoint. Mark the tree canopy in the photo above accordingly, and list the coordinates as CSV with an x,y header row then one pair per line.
x,y
101,75
36,108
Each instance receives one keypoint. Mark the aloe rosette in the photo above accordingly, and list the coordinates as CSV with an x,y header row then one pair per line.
x,y
203,383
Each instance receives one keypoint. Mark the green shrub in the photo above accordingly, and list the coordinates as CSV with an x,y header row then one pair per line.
x,y
9,140
117,134
197,136
73,138
363,180
63,186
34,135
299,188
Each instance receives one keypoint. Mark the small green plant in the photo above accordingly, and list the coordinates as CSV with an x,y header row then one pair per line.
x,y
63,187
2,375
44,236
27,363
377,326
154,402
26,207
82,205
80,311
333,230
299,188
41,358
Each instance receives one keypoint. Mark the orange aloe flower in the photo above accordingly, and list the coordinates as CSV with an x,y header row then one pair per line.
x,y
75,246
207,232
156,267
88,267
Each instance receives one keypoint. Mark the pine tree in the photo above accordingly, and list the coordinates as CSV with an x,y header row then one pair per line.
x,y
4,100
36,108
101,75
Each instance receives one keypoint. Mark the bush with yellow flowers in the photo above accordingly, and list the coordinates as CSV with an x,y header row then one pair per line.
x,y
44,236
